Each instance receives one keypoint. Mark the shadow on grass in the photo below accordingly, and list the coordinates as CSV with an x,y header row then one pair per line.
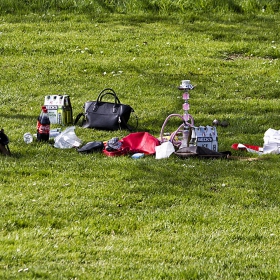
x,y
16,116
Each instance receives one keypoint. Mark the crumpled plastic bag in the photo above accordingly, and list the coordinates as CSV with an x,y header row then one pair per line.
x,y
271,141
67,139
164,150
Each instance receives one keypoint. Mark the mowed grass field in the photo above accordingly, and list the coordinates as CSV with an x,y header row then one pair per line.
x,y
65,215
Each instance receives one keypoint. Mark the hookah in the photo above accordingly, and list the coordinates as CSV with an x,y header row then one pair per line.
x,y
203,136
188,120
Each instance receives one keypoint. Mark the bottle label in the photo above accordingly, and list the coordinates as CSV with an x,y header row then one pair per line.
x,y
43,128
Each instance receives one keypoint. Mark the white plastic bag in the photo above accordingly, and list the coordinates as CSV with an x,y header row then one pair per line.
x,y
164,150
271,141
67,139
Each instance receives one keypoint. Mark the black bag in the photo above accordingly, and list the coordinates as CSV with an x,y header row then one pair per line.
x,y
4,141
105,115
90,147
200,152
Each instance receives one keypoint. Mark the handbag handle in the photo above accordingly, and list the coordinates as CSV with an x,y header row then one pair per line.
x,y
109,92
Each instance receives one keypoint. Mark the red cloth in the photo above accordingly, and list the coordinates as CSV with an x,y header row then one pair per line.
x,y
141,142
138,142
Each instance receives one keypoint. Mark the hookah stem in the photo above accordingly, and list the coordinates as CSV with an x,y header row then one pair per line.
x,y
186,118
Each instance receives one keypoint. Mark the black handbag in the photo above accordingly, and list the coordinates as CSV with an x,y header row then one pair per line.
x,y
106,115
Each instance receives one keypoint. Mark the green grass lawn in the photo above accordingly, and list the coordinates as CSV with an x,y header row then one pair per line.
x,y
70,216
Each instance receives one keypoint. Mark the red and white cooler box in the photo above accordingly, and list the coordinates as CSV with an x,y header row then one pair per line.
x,y
59,109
